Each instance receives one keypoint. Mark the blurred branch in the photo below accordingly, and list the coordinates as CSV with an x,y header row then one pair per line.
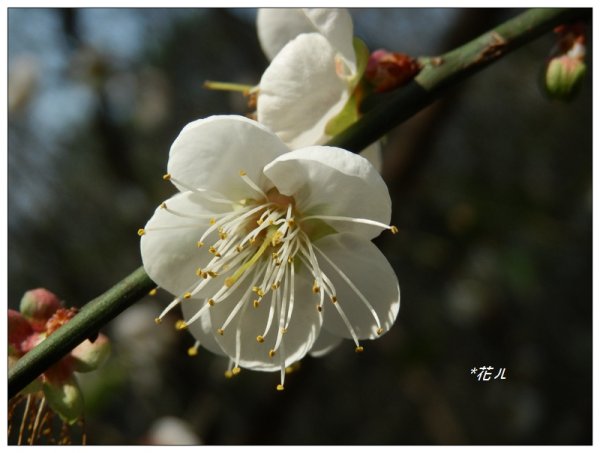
x,y
442,72
439,74
84,325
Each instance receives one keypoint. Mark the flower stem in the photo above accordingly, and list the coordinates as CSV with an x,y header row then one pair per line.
x,y
395,107
85,324
387,110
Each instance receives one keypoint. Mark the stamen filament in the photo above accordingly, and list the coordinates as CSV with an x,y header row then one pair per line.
x,y
352,220
227,86
352,286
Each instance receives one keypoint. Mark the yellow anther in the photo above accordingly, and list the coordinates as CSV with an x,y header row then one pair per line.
x,y
220,331
153,292
222,236
319,308
290,260
167,176
252,239
379,331
359,349
279,387
272,353
333,299
163,205
315,287
260,293
210,302
228,374
187,295
199,244
275,286
291,222
212,221
239,248
236,371
276,239
212,274
394,229
141,232
157,321
275,255
283,330
204,275
192,351
199,272
255,303
259,222
260,339
181,325
229,281
243,173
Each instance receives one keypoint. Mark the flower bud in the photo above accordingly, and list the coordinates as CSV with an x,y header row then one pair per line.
x,y
564,75
566,68
18,331
38,305
90,355
65,399
389,70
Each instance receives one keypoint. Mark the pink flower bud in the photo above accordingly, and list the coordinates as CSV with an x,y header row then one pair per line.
x,y
38,305
18,331
389,70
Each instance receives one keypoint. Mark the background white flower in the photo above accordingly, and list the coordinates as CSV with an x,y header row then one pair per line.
x,y
312,72
268,250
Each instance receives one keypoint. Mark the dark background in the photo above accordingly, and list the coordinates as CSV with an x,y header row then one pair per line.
x,y
491,189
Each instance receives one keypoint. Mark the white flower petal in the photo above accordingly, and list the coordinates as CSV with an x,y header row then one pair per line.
x,y
304,327
301,91
210,153
277,26
169,246
334,182
371,274
201,329
325,343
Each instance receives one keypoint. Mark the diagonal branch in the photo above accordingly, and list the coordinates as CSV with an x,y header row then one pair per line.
x,y
445,71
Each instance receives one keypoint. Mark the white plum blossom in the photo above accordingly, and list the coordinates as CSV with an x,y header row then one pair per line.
x,y
268,251
312,74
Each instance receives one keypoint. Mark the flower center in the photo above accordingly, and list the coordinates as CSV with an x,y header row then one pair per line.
x,y
258,247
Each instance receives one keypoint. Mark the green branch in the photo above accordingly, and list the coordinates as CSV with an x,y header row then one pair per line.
x,y
397,106
443,72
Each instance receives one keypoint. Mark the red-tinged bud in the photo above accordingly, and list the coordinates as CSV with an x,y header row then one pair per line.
x,y
566,68
38,305
389,70
19,330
